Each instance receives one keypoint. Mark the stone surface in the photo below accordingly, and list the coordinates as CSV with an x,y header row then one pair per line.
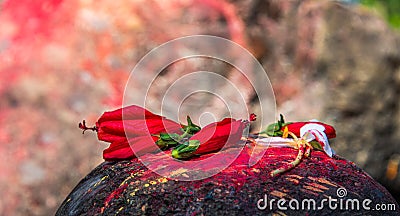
x,y
129,188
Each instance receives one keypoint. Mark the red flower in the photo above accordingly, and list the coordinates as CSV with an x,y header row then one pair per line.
x,y
253,117
111,131
138,122
129,112
212,138
122,150
139,125
295,128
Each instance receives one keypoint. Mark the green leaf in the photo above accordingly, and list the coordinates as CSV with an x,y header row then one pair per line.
x,y
166,140
186,149
316,145
169,137
275,129
192,127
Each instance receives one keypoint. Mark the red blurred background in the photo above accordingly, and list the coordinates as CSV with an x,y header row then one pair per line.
x,y
64,61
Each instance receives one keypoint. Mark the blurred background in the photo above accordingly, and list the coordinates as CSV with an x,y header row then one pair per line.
x,y
64,61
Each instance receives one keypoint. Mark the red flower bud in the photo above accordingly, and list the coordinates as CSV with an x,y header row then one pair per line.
x,y
296,126
135,122
129,113
253,117
215,135
122,150
111,131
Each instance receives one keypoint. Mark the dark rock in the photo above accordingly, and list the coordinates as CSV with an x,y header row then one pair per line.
x,y
129,188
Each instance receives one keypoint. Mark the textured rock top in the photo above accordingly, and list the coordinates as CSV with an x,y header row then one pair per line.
x,y
130,188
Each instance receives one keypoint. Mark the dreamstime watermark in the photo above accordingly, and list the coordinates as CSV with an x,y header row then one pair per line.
x,y
339,203
192,87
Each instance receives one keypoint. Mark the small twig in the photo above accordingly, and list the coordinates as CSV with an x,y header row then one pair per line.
x,y
308,151
304,151
290,165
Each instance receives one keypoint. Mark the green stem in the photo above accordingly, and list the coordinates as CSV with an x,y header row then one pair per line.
x,y
184,134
